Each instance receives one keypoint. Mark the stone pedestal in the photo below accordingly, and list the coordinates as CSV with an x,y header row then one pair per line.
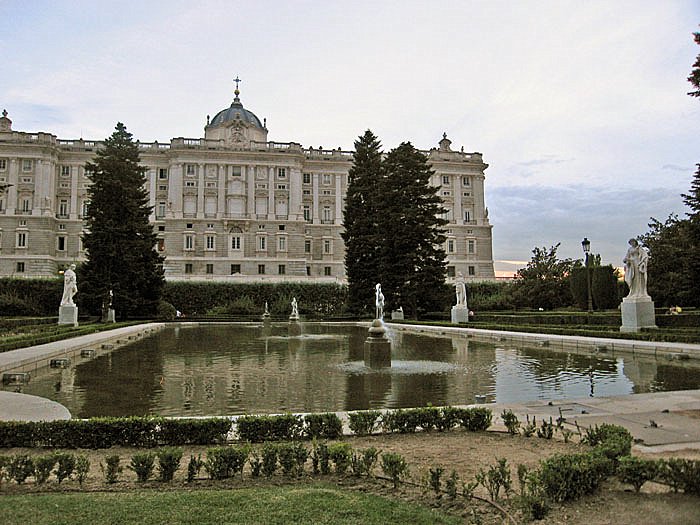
x,y
460,314
397,315
294,326
68,314
111,316
377,347
637,313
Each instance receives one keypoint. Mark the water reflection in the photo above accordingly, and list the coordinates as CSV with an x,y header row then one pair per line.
x,y
235,369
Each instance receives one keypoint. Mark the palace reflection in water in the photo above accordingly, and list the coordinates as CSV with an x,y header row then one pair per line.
x,y
235,369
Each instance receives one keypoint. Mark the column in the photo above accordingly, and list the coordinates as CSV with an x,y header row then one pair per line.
x,y
221,210
151,187
12,179
175,191
314,191
73,193
40,193
250,204
478,193
200,190
457,191
295,193
270,193
338,200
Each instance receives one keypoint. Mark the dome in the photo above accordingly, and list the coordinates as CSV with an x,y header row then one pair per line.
x,y
236,112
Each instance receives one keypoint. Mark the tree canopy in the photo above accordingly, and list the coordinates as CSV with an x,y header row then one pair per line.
x,y
119,239
544,282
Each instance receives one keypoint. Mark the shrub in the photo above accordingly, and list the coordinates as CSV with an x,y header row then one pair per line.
x,y
142,464
530,427
362,462
363,423
257,429
448,419
3,466
636,471
82,467
166,311
168,462
224,462
546,430
19,468
613,441
565,477
339,454
325,426
113,469
292,457
451,485
43,465
436,480
320,458
193,467
494,479
394,466
255,463
428,418
683,474
269,459
206,431
475,419
65,465
403,421
510,420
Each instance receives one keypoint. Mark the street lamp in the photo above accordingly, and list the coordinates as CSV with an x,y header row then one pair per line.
x,y
586,244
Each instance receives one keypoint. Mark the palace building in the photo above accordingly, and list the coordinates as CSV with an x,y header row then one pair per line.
x,y
229,206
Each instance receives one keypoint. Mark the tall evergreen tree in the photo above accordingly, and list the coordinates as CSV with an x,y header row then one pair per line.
x,y
119,241
362,235
412,265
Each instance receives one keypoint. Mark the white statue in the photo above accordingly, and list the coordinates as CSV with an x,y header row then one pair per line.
x,y
267,312
461,290
70,286
295,308
636,262
379,301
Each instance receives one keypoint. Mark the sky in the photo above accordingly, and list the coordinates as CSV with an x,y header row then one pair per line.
x,y
579,108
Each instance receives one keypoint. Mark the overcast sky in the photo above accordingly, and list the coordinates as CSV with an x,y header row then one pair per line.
x,y
579,108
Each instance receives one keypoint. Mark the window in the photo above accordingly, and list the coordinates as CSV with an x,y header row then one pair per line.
x,y
163,173
467,215
450,246
281,186
281,173
308,270
63,208
161,228
84,209
210,242
210,226
467,193
445,179
20,267
306,192
326,178
61,243
62,227
261,269
327,246
160,211
307,246
162,188
307,213
450,271
262,243
190,169
3,164
327,217
27,180
190,184
189,242
281,227
211,184
466,181
27,165
446,193
471,246
2,204
65,171
21,240
471,270
327,192
235,172
235,268
210,268
282,269
327,271
26,205
235,242
282,244
161,245
189,226
307,178
188,267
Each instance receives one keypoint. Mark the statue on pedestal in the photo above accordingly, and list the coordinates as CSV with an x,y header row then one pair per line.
x,y
636,262
70,286
461,290
379,301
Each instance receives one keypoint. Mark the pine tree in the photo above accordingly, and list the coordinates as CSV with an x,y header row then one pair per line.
x,y
694,77
361,221
412,265
119,240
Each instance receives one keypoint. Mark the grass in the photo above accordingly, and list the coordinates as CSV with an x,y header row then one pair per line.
x,y
313,504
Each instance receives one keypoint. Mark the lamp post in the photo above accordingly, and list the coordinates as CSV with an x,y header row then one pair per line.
x,y
586,244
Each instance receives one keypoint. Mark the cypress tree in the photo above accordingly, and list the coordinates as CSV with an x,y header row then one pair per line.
x,y
412,263
362,236
119,240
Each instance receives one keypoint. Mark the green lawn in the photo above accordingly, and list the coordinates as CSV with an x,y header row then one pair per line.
x,y
312,504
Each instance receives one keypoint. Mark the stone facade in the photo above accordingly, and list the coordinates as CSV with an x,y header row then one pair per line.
x,y
229,206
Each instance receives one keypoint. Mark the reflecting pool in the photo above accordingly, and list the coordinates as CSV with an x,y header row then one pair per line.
x,y
226,369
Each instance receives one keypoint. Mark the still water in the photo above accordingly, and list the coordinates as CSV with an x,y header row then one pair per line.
x,y
237,369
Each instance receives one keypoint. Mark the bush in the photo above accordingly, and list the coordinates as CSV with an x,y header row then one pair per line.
x,y
681,474
365,422
449,418
19,468
225,462
257,429
269,459
510,420
362,462
325,426
394,466
613,441
193,467
142,464
168,462
113,469
65,465
565,477
43,465
165,311
82,467
339,454
494,479
637,471
475,419
320,458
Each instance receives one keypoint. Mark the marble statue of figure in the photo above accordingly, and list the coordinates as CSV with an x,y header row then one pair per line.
x,y
70,286
111,297
267,312
461,290
636,269
379,301
295,308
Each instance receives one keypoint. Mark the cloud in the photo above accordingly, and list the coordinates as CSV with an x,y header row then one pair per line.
x,y
673,167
